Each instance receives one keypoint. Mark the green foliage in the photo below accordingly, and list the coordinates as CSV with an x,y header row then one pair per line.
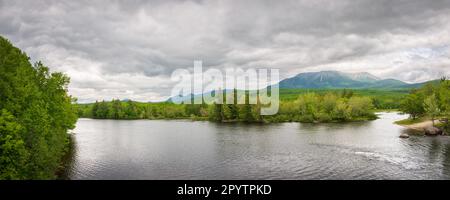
x,y
308,106
329,107
431,107
217,114
413,105
231,111
13,154
432,100
36,114
341,112
234,110
382,99
443,97
117,111
444,103
410,121
129,109
192,109
360,106
333,106
132,111
347,93
101,111
245,110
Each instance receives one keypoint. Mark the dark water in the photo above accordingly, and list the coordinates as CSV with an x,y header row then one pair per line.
x,y
143,149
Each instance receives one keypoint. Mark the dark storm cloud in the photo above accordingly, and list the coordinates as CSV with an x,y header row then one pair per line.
x,y
128,49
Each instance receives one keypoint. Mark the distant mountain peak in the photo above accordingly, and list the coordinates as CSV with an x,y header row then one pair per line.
x,y
363,76
337,79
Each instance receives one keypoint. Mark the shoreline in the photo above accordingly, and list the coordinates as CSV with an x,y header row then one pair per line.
x,y
420,126
239,121
67,159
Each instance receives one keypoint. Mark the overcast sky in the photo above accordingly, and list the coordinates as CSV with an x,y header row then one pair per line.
x,y
128,49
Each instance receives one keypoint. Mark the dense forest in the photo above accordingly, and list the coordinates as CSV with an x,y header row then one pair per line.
x,y
35,116
331,106
431,101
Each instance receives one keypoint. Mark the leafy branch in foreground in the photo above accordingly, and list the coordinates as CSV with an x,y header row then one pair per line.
x,y
35,114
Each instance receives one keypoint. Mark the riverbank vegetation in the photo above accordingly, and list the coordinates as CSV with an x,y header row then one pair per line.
x,y
382,99
330,106
410,121
430,102
35,115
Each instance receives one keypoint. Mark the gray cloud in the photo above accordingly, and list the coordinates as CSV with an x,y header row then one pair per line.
x,y
128,49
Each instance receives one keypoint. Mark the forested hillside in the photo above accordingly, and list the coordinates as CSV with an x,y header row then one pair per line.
x,y
337,79
35,115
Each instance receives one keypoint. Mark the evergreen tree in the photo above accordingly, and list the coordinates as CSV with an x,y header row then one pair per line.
x,y
234,112
95,109
102,110
257,110
132,111
218,113
247,110
117,109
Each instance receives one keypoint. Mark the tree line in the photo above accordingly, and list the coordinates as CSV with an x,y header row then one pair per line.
x,y
336,106
35,115
329,107
128,109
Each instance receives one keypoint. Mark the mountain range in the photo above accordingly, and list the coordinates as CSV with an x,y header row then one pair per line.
x,y
336,79
333,80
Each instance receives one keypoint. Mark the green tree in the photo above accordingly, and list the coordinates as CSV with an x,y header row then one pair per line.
x,y
341,111
36,113
102,110
347,94
329,102
95,109
431,107
193,109
132,110
444,96
308,106
444,102
413,105
247,110
257,111
117,110
218,113
233,107
360,106
13,154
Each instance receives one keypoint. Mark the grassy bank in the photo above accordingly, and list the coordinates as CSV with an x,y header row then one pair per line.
x,y
411,121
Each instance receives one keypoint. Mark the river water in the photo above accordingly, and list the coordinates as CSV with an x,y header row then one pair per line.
x,y
183,149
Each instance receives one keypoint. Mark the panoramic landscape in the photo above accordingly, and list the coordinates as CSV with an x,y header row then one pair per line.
x,y
226,90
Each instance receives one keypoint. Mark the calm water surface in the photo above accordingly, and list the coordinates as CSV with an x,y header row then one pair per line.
x,y
159,149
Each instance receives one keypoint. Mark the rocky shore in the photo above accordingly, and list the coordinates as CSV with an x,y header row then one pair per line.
x,y
426,127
